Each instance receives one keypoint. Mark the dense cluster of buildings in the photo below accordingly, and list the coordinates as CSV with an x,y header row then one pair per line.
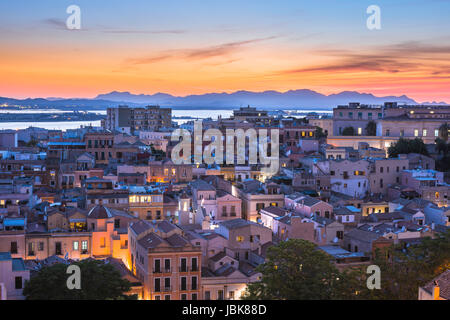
x,y
198,231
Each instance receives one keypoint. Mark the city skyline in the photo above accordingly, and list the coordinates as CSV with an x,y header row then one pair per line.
x,y
153,47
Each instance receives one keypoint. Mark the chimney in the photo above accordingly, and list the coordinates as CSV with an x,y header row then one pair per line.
x,y
436,291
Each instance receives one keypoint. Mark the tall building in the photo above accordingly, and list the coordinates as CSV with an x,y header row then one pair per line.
x,y
165,261
132,120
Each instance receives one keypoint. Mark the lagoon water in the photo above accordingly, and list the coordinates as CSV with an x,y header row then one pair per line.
x,y
183,115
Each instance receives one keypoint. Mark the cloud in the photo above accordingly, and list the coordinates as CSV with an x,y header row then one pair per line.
x,y
55,22
145,31
401,57
222,50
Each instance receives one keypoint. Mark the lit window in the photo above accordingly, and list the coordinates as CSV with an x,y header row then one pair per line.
x,y
239,238
436,133
360,131
416,133
75,245
424,132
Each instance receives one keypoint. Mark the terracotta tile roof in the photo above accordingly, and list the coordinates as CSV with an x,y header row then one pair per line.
x,y
443,281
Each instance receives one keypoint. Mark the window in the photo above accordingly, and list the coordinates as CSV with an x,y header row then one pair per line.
x,y
167,265
207,295
167,284
194,264
388,132
194,283
84,246
220,295
183,284
402,133
41,246
116,223
359,131
157,266
183,266
416,132
340,234
75,245
231,295
58,250
194,296
239,238
167,297
157,285
184,296
18,282
424,132
13,248
436,133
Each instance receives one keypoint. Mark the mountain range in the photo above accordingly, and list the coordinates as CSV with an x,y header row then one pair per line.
x,y
293,99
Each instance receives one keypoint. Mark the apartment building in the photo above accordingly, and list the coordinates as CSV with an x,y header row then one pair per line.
x,y
13,275
100,145
165,261
133,120
350,177
255,197
386,172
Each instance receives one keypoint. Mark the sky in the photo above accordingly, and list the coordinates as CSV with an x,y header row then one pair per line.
x,y
187,47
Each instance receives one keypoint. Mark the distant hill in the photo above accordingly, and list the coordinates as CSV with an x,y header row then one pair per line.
x,y
268,99
272,100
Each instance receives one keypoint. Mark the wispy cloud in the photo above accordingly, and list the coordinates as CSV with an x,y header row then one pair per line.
x,y
55,22
401,57
145,31
222,50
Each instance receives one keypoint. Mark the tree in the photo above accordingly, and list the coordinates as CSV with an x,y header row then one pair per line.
x,y
297,270
443,131
320,134
442,146
405,146
99,281
371,128
348,131
408,268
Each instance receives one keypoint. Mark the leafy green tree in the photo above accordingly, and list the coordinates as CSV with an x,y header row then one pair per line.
x,y
297,270
99,281
405,146
371,128
348,131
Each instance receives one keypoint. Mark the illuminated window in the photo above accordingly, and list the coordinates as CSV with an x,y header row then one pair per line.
x,y
166,172
424,132
436,133
311,134
174,172
75,245
303,133
416,132
436,195
239,238
360,131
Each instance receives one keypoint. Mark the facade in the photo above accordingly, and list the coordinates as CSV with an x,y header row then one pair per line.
x,y
166,263
13,275
130,120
